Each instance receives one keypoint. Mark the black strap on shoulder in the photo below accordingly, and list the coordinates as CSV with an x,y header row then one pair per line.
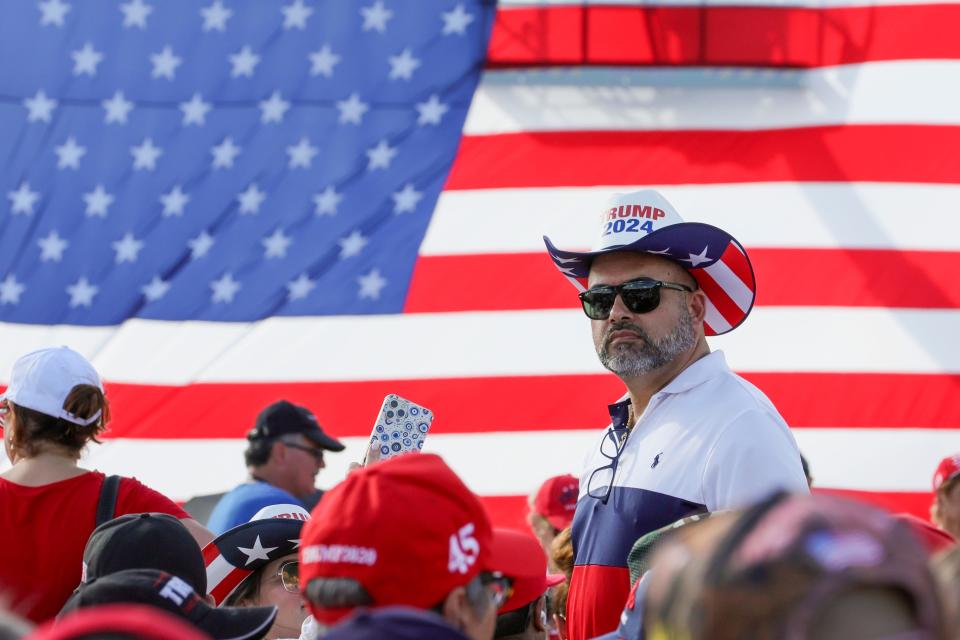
x,y
108,499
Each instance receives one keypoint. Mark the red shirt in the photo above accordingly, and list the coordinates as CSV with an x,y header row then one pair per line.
x,y
43,531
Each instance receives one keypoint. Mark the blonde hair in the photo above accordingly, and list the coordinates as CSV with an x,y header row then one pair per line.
x,y
561,552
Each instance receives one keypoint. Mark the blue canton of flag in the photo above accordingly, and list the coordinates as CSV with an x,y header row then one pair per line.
x,y
225,161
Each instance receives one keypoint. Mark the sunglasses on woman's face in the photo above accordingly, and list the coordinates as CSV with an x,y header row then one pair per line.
x,y
639,296
289,574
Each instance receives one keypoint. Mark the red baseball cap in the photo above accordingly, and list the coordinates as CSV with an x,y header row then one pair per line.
x,y
556,500
407,529
525,563
948,469
933,538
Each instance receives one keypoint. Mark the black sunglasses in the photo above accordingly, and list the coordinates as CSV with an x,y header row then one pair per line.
x,y
315,452
639,296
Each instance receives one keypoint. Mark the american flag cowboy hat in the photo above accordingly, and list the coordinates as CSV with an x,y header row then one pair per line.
x,y
235,554
644,221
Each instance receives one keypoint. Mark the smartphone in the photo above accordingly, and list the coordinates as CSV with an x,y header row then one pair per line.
x,y
401,427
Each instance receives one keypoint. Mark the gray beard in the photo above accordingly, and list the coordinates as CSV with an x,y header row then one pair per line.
x,y
631,360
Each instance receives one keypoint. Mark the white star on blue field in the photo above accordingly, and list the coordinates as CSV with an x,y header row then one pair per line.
x,y
225,160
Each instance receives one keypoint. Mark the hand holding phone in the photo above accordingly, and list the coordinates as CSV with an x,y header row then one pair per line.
x,y
401,427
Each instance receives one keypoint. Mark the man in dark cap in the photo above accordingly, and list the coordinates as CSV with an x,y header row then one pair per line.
x,y
284,455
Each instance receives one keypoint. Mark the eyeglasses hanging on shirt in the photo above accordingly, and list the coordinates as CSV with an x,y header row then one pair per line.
x,y
600,483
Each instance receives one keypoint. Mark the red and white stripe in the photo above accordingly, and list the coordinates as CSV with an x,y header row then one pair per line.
x,y
222,577
729,285
833,165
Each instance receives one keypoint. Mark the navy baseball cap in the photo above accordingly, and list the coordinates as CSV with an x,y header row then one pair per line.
x,y
283,418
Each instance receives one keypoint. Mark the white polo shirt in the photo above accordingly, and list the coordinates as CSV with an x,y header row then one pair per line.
x,y
708,441
709,437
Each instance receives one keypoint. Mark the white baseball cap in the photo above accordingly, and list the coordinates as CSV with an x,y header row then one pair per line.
x,y
43,379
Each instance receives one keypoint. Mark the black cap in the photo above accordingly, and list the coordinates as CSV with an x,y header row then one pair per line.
x,y
169,593
283,417
145,541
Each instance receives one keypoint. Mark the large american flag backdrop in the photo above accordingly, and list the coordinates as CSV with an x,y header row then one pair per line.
x,y
229,202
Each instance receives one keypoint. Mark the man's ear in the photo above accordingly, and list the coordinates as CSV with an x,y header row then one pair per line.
x,y
456,608
278,451
698,306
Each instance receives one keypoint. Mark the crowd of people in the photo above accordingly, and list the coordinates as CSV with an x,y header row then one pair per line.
x,y
692,517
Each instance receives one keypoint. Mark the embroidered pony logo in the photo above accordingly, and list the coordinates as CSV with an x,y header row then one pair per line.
x,y
656,460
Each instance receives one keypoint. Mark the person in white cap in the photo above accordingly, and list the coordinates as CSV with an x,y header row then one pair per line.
x,y
689,436
53,407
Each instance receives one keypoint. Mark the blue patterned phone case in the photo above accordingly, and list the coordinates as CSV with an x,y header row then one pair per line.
x,y
401,427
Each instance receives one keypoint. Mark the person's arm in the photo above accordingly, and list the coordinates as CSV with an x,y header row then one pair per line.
x,y
200,533
136,497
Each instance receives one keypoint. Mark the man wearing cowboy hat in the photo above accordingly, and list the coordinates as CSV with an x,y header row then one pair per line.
x,y
690,435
